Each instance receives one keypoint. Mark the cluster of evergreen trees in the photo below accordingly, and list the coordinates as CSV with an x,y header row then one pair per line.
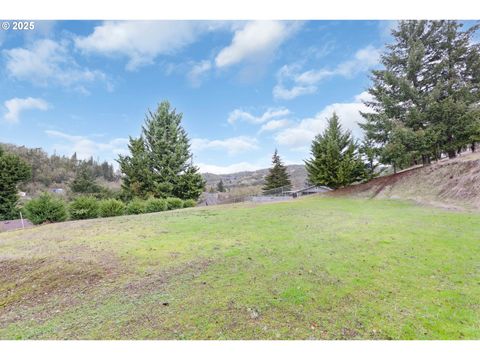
x,y
160,163
337,160
159,166
425,104
426,98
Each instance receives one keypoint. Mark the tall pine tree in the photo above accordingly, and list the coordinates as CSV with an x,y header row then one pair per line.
x,y
160,161
335,161
277,176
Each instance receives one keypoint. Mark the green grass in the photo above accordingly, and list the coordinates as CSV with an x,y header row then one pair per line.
x,y
315,268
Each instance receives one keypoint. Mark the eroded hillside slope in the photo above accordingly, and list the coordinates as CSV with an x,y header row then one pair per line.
x,y
451,183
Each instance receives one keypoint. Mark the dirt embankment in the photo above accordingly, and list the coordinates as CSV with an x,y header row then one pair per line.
x,y
453,184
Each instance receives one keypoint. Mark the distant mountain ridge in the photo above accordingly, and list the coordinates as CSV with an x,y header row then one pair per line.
x,y
298,176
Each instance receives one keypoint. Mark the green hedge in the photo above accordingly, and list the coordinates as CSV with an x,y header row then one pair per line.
x,y
84,207
136,206
174,203
189,203
111,207
46,208
155,205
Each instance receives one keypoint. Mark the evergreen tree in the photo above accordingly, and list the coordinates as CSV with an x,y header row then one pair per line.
x,y
335,161
190,184
84,181
13,170
220,186
137,180
106,171
370,153
277,176
160,161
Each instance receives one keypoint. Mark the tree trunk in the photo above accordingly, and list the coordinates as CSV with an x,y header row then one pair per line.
x,y
424,160
473,147
452,154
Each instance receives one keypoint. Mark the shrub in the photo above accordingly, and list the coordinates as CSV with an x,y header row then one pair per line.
x,y
111,207
136,206
84,207
174,203
189,203
155,205
45,208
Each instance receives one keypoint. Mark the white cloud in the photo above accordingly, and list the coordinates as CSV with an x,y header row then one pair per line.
x,y
301,135
46,61
198,72
363,60
86,147
232,145
285,73
143,41
256,41
16,106
302,83
274,125
271,113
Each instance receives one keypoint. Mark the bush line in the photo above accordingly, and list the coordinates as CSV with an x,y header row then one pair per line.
x,y
48,208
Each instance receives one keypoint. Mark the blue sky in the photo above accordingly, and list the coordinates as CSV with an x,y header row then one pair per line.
x,y
244,87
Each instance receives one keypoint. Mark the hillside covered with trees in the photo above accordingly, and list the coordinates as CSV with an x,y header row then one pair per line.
x,y
55,171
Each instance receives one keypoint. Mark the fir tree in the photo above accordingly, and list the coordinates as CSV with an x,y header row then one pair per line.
x,y
220,186
277,176
13,171
160,161
137,180
335,160
84,181
370,153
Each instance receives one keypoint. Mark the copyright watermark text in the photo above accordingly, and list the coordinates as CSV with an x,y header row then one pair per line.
x,y
18,25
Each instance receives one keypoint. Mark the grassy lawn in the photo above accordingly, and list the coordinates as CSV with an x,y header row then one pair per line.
x,y
315,268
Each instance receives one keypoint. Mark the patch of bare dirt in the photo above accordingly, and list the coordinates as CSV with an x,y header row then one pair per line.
x,y
46,284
